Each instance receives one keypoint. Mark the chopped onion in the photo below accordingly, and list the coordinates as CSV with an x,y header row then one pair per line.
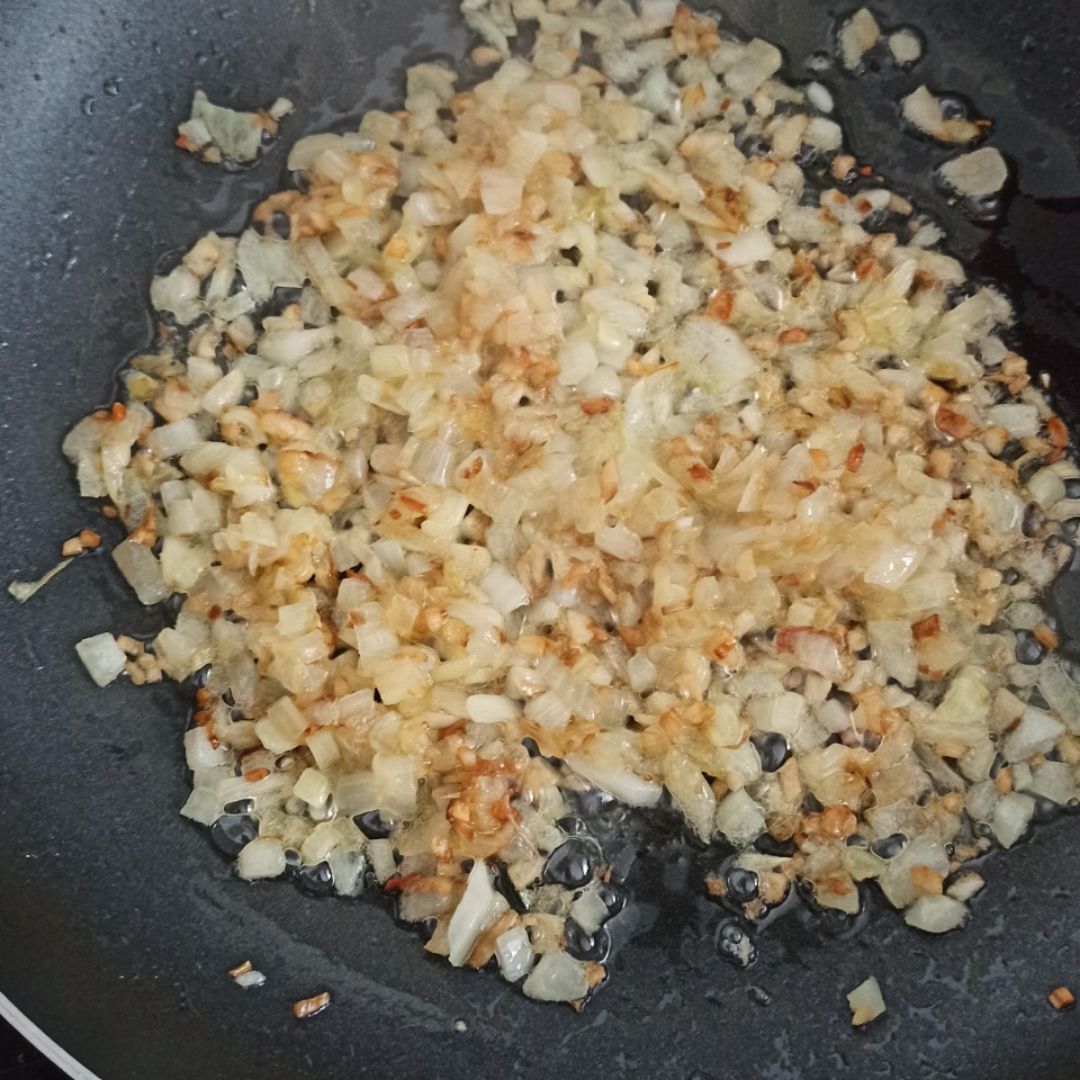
x,y
23,590
620,782
141,570
570,412
905,46
549,711
858,35
923,111
514,953
894,647
557,977
866,1002
504,590
491,709
313,787
691,792
937,914
201,752
1036,733
102,657
1011,818
237,135
472,915
263,857
739,819
172,440
982,172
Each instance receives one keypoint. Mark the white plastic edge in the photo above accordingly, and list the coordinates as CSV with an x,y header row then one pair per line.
x,y
38,1039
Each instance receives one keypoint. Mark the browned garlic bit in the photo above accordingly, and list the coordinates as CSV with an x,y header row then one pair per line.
x,y
595,428
312,1006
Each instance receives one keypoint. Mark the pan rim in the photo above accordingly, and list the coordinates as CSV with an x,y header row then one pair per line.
x,y
42,1042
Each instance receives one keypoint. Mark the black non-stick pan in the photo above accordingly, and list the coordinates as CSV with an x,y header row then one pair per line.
x,y
117,919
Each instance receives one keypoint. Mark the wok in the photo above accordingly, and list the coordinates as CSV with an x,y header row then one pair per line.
x,y
117,920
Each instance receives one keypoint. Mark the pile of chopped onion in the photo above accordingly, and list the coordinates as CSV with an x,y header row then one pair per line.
x,y
574,429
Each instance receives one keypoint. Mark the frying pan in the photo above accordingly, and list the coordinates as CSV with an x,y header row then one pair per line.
x,y
117,920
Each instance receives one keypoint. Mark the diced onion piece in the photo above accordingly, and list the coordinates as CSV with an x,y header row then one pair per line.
x,y
966,886
1036,733
866,1002
751,246
759,61
923,111
982,172
894,647
738,818
201,752
383,863
622,783
691,792
395,781
715,353
514,953
263,857
819,96
313,787
500,190
858,35
491,709
905,46
1046,488
238,135
472,914
1020,421
102,657
141,570
504,590
549,711
618,541
937,914
282,727
557,977
896,880
21,591
1011,818
1053,780
172,440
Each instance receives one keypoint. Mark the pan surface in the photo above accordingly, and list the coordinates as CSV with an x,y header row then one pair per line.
x,y
117,921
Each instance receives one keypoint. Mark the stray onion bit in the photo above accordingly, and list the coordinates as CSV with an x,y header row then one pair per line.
x,y
23,590
246,977
858,35
905,46
923,111
563,432
102,657
981,173
866,1002
85,540
216,134
305,1008
1061,998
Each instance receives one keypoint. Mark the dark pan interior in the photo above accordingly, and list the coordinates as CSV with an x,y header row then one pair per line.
x,y
117,921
